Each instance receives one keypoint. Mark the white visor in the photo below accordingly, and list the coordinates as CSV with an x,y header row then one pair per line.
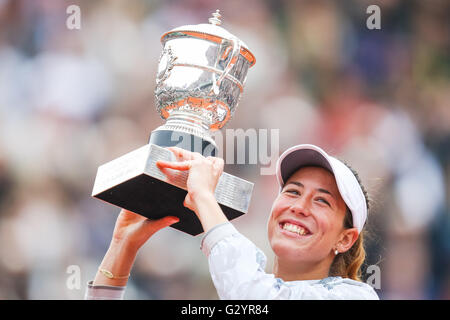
x,y
310,155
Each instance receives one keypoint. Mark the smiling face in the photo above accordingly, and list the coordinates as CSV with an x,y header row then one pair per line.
x,y
306,222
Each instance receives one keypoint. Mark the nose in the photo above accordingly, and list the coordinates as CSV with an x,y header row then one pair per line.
x,y
301,206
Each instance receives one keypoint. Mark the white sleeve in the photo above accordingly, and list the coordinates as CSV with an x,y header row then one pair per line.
x,y
237,267
103,292
237,271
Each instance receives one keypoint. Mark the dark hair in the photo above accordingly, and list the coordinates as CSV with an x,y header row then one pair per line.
x,y
348,264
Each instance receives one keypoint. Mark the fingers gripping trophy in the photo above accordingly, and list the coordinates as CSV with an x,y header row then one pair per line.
x,y
200,79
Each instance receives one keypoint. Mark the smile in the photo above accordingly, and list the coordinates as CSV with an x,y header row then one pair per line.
x,y
294,229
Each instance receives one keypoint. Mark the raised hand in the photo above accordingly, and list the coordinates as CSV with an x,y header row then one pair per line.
x,y
204,173
203,176
136,229
130,233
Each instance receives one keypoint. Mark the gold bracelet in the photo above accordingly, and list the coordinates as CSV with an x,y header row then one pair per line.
x,y
109,274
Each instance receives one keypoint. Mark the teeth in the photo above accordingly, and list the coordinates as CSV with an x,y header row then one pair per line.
x,y
294,228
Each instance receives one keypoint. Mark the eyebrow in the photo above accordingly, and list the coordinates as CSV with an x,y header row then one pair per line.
x,y
318,189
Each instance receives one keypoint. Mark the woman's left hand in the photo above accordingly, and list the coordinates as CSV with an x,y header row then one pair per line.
x,y
204,173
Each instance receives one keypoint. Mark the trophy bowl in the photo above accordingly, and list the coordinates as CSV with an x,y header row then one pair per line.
x,y
201,75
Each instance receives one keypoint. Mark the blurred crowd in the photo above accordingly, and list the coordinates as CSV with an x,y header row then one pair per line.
x,y
71,100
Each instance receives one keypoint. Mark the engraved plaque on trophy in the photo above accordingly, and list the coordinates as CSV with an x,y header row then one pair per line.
x,y
201,76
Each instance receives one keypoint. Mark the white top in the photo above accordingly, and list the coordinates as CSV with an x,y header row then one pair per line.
x,y
237,271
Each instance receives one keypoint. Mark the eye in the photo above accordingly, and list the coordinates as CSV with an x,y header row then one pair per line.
x,y
292,191
324,201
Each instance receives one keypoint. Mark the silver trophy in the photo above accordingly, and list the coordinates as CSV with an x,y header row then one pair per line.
x,y
200,79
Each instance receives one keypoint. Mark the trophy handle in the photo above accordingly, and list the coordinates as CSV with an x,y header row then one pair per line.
x,y
235,55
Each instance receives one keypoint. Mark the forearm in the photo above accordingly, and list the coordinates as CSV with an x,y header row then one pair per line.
x,y
208,211
237,266
118,260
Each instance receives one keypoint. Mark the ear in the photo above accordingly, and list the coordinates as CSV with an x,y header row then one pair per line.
x,y
346,239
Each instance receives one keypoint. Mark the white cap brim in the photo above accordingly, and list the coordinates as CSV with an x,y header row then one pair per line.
x,y
310,155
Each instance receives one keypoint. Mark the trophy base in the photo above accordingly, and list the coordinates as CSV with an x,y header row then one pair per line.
x,y
135,183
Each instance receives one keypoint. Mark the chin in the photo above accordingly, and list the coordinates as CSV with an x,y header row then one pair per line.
x,y
285,251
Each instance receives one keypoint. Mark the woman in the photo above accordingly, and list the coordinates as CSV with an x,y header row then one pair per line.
x,y
315,230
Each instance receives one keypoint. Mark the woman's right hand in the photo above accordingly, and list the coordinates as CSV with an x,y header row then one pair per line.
x,y
130,233
134,229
